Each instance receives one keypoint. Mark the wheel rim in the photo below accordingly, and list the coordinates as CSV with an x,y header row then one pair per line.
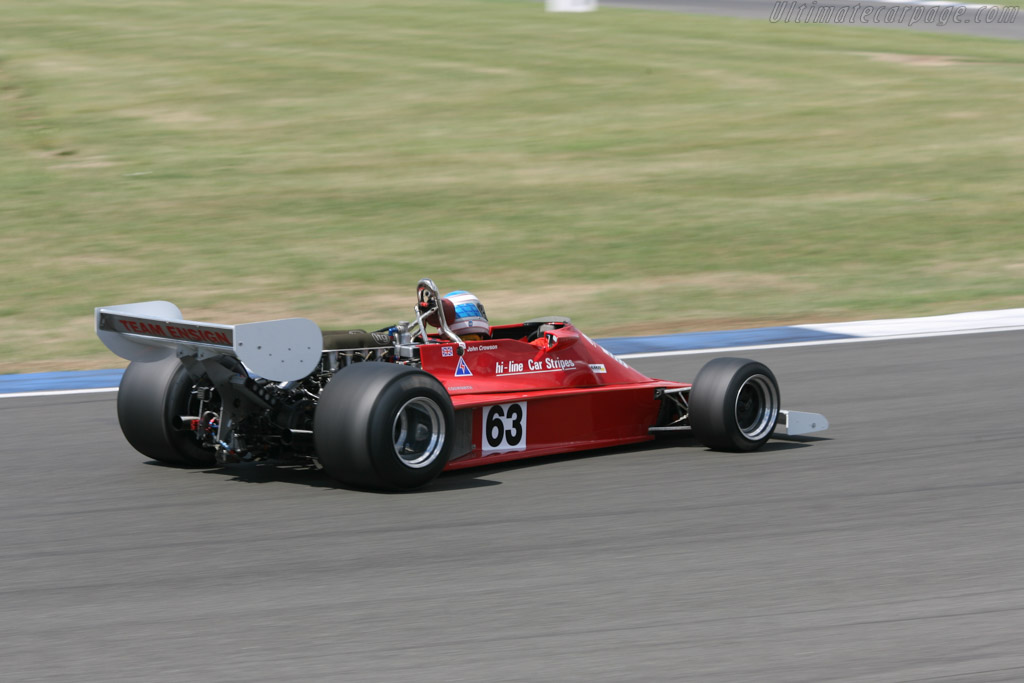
x,y
757,406
418,433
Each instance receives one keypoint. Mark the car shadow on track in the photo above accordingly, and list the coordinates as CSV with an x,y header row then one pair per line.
x,y
689,444
476,477
276,473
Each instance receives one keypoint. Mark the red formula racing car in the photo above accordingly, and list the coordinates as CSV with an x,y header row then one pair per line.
x,y
393,408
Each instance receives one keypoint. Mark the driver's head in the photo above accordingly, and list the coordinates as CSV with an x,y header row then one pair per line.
x,y
470,321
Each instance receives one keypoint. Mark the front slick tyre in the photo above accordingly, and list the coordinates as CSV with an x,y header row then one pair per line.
x,y
150,400
734,404
383,426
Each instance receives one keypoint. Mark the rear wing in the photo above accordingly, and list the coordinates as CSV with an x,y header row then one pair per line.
x,y
278,350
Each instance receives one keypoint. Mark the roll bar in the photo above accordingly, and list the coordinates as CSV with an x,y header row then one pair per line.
x,y
428,301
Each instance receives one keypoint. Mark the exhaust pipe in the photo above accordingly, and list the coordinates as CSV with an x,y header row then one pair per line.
x,y
292,437
185,423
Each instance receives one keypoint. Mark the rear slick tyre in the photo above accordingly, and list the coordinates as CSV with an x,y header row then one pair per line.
x,y
734,404
150,400
383,426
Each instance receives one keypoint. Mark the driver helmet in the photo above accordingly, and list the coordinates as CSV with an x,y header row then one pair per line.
x,y
470,321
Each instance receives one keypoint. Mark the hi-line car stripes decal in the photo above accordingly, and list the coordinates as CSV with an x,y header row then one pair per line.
x,y
92,381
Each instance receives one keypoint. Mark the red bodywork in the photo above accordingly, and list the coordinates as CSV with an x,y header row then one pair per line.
x,y
517,399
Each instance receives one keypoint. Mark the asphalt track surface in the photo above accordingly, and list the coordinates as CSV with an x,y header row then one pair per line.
x,y
891,549
972,21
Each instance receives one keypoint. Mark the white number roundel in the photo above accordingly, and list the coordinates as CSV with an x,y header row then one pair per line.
x,y
504,428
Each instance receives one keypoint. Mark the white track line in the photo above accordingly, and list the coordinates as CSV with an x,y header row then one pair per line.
x,y
59,392
817,342
714,350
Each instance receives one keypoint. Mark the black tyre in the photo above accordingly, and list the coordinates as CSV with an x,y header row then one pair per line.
x,y
734,404
383,426
151,399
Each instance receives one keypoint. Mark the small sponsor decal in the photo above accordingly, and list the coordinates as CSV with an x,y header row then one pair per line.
x,y
462,370
598,368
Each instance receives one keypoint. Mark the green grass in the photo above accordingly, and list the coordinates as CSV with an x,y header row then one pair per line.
x,y
634,170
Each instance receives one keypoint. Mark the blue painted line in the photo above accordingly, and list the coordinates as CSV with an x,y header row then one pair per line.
x,y
960,323
716,340
59,381
102,379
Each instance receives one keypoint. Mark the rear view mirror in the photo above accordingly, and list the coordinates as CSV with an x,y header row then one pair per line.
x,y
555,340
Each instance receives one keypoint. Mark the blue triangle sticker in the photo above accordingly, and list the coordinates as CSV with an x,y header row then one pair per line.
x,y
462,370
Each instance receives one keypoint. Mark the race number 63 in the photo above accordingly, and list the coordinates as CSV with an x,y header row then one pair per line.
x,y
504,427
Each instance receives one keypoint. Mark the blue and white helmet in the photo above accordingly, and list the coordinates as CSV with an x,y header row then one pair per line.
x,y
470,317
